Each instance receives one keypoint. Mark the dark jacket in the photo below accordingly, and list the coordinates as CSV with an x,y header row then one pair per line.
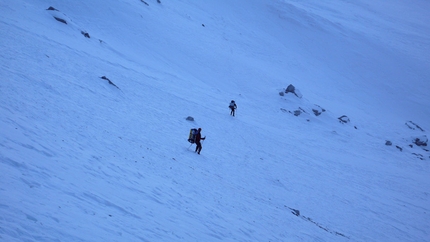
x,y
232,105
199,137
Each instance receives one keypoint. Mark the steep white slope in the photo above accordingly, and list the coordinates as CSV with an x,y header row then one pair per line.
x,y
83,160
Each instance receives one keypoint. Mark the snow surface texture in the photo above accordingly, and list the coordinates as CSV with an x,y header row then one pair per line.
x,y
95,96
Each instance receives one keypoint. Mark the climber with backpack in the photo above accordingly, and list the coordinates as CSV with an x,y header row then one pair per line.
x,y
197,141
195,137
232,107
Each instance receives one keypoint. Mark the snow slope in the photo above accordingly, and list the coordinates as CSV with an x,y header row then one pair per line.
x,y
82,159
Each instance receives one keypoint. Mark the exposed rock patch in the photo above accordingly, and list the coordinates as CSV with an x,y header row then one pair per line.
x,y
110,82
344,119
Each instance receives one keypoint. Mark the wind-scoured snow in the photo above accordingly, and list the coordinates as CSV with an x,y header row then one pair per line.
x,y
93,131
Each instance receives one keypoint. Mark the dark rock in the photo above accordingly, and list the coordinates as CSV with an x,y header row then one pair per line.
x,y
413,126
389,143
52,8
344,119
189,118
290,88
298,111
293,90
60,20
318,110
110,82
295,212
419,156
421,142
400,148
85,34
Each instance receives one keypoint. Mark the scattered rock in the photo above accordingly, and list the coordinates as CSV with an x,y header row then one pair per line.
x,y
290,88
293,90
60,20
420,141
389,143
297,112
110,82
52,8
419,156
281,94
295,212
85,34
413,126
189,118
400,148
318,110
344,119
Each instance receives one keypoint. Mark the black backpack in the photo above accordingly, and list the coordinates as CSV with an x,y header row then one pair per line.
x,y
232,104
192,136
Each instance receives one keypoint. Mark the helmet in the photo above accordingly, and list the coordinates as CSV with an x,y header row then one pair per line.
x,y
232,101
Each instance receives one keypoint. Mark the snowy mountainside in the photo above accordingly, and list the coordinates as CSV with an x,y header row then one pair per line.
x,y
86,158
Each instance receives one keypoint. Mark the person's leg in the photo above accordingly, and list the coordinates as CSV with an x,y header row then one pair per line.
x,y
197,146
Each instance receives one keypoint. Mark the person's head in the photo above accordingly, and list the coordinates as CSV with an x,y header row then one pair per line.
x,y
200,129
232,101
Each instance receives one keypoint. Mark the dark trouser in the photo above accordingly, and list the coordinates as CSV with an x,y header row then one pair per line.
x,y
198,147
232,111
